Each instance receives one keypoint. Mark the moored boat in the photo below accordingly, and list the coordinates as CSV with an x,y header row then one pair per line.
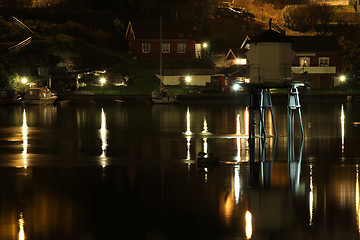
x,y
163,96
39,95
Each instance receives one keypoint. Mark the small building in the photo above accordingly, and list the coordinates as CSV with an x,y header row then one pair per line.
x,y
270,56
187,77
319,57
177,40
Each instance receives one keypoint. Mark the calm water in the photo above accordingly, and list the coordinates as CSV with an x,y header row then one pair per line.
x,y
130,172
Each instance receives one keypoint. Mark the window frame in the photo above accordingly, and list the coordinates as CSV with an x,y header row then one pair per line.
x,y
181,47
145,47
326,59
303,60
165,47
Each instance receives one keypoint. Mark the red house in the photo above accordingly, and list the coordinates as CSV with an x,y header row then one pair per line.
x,y
177,40
319,57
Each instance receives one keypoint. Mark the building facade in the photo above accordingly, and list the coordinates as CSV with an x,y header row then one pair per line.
x,y
171,40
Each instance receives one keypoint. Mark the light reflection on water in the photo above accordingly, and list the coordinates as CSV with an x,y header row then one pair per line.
x,y
152,179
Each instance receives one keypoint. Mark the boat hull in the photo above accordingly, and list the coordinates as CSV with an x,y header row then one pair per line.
x,y
43,101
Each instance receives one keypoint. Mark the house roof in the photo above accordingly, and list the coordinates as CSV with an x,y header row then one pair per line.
x,y
235,53
150,29
270,36
315,44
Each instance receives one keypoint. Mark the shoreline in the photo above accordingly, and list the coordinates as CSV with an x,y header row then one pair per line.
x,y
200,97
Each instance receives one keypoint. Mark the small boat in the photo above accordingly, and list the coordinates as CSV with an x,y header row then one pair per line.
x,y
39,95
9,96
163,96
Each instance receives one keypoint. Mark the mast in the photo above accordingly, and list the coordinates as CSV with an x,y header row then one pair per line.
x,y
161,68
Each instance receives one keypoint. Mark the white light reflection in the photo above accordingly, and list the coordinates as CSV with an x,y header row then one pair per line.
x,y
248,227
238,145
205,147
246,120
188,131
188,139
21,228
237,185
357,198
238,124
25,140
103,133
342,117
311,198
205,128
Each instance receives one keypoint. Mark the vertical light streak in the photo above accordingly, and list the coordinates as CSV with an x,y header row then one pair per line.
x,y
238,145
237,185
103,133
21,228
188,139
188,131
357,198
205,127
25,140
311,198
246,121
270,124
205,147
342,117
238,132
248,226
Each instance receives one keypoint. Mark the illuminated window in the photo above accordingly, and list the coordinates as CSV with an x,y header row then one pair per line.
x,y
166,47
324,62
304,62
181,47
146,47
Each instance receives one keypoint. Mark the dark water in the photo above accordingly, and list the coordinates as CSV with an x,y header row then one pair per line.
x,y
130,172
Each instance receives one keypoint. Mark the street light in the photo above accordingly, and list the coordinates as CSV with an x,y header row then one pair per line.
x,y
342,78
24,80
188,79
102,82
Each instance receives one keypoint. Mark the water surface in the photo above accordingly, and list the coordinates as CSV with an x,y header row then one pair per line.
x,y
130,172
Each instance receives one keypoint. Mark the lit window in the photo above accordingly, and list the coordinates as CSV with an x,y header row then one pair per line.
x,y
181,47
146,47
324,62
304,62
166,47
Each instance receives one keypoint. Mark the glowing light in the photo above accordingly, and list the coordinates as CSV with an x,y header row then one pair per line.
x,y
188,79
205,45
248,227
102,81
103,136
342,78
24,80
237,61
247,80
236,87
311,199
188,131
342,117
25,140
21,228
